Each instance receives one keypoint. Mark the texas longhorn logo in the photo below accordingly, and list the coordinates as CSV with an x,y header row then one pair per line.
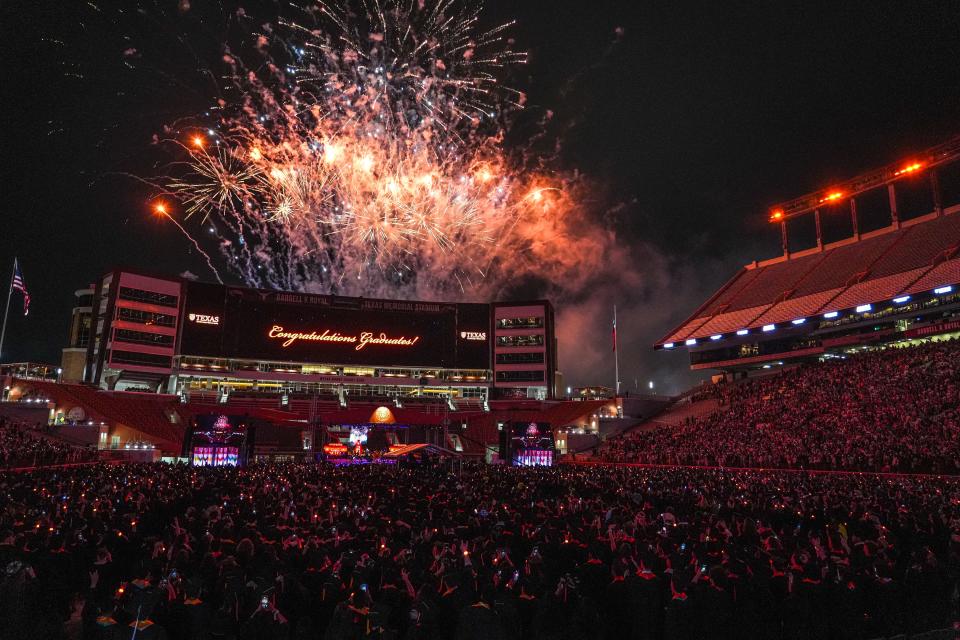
x,y
201,318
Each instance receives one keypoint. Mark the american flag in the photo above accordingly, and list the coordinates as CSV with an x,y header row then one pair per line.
x,y
614,328
18,285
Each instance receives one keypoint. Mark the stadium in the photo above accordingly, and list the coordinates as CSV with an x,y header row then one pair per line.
x,y
187,338
892,285
838,371
310,371
411,394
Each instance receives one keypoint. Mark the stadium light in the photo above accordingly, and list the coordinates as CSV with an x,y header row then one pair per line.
x,y
716,337
690,342
668,345
942,290
910,168
901,299
798,321
863,308
831,197
831,314
767,328
743,332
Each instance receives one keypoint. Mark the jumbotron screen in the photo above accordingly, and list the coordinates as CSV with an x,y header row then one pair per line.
x,y
229,322
532,444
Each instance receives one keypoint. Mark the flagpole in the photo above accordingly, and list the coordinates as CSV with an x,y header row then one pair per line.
x,y
616,354
6,311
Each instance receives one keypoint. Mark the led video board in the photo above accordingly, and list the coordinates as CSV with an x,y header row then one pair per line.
x,y
531,444
229,322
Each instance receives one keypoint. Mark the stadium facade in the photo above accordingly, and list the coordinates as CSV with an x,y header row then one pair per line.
x,y
895,284
181,337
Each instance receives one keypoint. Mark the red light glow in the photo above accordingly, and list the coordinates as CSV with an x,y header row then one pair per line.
x,y
910,168
832,196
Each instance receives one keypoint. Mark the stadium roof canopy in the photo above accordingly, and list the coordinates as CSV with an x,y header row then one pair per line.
x,y
916,257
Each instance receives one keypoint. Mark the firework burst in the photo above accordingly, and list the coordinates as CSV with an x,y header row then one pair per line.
x,y
357,148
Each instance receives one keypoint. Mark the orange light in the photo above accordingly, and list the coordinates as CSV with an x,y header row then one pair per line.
x,y
365,164
198,141
830,197
776,216
331,153
160,208
484,175
255,154
910,168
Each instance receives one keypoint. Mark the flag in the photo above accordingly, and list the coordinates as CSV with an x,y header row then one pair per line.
x,y
18,285
614,328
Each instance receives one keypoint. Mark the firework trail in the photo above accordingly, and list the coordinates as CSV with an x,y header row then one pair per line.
x,y
161,210
356,147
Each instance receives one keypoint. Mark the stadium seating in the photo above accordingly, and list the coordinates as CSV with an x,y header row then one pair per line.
x,y
918,245
843,263
887,410
153,414
24,445
943,273
776,280
916,258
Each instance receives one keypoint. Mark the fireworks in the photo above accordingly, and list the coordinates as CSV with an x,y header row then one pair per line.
x,y
358,149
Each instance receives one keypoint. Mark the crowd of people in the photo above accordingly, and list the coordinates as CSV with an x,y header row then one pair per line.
x,y
25,445
896,409
392,551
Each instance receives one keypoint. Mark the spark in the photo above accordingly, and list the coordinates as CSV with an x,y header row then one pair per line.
x,y
161,209
370,143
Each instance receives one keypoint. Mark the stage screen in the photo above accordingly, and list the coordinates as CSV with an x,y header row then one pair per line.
x,y
286,327
531,444
216,456
217,441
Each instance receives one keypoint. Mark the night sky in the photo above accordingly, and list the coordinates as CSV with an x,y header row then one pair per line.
x,y
693,117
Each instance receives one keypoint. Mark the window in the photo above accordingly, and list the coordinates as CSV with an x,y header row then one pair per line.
x,y
520,376
83,332
520,323
520,341
146,317
520,358
142,337
150,297
132,357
